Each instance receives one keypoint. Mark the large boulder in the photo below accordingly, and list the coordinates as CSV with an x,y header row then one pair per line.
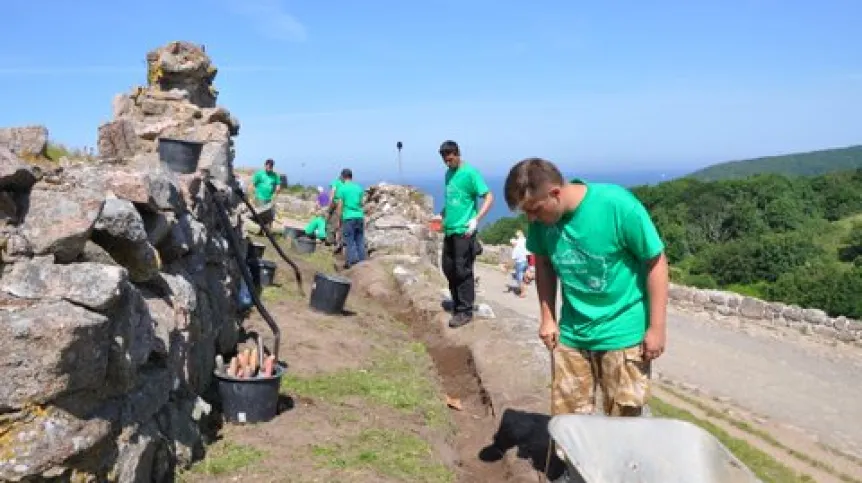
x,y
121,232
60,222
93,285
25,141
51,349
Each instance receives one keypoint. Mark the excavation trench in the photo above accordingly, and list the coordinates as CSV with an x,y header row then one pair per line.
x,y
475,421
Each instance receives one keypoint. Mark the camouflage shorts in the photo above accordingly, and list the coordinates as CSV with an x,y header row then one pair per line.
x,y
622,375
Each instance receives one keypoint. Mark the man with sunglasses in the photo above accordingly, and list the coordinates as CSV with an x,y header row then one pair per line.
x,y
464,185
600,243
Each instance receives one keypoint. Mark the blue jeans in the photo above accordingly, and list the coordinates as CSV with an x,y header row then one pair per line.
x,y
353,234
520,270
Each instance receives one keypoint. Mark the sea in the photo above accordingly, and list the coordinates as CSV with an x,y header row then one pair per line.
x,y
434,186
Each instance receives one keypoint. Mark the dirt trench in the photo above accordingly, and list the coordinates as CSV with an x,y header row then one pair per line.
x,y
475,420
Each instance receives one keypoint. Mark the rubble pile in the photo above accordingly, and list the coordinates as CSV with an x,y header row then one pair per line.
x,y
179,103
396,222
117,292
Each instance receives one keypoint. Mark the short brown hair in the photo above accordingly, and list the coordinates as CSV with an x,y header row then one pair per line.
x,y
527,177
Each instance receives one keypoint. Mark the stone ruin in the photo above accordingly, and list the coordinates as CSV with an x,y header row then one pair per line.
x,y
117,289
178,102
396,218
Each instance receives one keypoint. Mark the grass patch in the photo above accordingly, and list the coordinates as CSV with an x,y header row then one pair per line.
x,y
764,466
763,435
321,259
225,457
389,453
398,379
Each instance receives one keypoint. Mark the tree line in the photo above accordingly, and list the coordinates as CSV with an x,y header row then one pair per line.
x,y
794,240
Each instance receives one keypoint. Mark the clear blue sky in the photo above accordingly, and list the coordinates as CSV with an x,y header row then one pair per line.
x,y
596,86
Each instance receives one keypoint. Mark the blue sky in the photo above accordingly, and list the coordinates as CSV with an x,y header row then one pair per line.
x,y
602,86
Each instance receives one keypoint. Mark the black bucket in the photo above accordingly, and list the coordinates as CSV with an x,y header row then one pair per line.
x,y
180,156
253,400
254,270
328,293
255,251
267,272
304,244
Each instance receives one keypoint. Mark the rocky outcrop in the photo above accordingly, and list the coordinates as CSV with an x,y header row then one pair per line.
x,y
25,141
116,293
178,102
721,304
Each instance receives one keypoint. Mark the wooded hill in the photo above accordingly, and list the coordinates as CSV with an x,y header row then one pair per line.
x,y
799,164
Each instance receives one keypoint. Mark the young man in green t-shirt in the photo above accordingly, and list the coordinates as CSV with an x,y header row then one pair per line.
x,y
348,198
464,185
599,242
266,182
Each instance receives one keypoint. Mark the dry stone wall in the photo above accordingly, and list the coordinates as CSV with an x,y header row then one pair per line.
x,y
178,102
117,290
727,304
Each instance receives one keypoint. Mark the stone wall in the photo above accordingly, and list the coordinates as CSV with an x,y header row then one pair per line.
x,y
728,304
396,222
117,291
178,103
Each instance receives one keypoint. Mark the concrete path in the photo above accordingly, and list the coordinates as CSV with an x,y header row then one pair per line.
x,y
793,381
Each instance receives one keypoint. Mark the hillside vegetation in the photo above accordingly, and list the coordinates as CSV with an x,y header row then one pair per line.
x,y
800,164
794,240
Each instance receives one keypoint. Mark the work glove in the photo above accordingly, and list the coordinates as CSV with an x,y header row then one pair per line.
x,y
472,225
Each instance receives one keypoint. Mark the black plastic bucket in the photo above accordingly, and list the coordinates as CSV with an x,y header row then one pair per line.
x,y
304,244
254,270
180,156
253,400
267,272
255,251
329,293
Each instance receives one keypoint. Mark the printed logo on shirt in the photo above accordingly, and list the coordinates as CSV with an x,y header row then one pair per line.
x,y
457,196
576,267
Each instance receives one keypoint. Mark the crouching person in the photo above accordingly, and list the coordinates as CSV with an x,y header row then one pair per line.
x,y
597,241
316,228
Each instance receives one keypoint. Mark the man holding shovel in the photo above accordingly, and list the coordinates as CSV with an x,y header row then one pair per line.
x,y
600,243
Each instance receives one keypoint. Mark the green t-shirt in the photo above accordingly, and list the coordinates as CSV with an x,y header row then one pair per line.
x,y
335,185
350,194
264,184
463,185
317,227
599,252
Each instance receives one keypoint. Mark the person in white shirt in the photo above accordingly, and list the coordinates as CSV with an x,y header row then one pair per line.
x,y
519,257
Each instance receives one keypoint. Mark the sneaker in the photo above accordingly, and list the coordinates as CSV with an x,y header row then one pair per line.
x,y
459,320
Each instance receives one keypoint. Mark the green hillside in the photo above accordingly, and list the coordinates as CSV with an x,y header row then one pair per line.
x,y
800,164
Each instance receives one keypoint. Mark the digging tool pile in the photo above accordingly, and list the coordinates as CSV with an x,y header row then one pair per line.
x,y
117,292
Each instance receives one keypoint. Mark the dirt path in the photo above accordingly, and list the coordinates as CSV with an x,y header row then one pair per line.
x,y
793,387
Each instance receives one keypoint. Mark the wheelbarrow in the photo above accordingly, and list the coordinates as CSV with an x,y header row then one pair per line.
x,y
598,448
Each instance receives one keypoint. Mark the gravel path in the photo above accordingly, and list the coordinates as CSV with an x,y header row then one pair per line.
x,y
791,380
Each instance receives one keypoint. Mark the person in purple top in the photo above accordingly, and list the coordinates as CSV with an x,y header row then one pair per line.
x,y
322,198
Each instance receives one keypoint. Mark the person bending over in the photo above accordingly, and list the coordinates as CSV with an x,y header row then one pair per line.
x,y
598,241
